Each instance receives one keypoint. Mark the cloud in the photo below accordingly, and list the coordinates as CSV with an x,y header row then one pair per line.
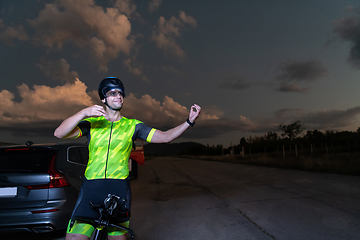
x,y
154,5
105,32
167,114
9,34
135,70
348,29
211,112
292,87
212,122
167,30
320,120
126,7
41,109
187,19
58,70
331,119
288,113
231,81
163,115
295,74
42,103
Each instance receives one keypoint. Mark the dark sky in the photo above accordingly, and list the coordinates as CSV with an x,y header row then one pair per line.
x,y
251,65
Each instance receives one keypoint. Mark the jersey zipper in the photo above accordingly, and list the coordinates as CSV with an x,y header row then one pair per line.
x,y
107,157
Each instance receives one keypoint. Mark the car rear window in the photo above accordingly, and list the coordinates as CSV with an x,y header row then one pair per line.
x,y
26,160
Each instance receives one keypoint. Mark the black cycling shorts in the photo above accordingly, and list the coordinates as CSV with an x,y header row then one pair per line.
x,y
96,190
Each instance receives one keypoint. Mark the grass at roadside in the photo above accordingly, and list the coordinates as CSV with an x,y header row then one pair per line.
x,y
342,163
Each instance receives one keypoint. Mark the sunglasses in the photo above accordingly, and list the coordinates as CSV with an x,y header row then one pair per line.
x,y
114,93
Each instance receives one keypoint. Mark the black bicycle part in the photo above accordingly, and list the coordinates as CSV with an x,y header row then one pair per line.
x,y
109,209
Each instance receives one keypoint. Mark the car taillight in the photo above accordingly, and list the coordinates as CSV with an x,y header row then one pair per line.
x,y
16,149
46,211
57,179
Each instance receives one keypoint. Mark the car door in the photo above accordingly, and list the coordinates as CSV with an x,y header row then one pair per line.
x,y
77,157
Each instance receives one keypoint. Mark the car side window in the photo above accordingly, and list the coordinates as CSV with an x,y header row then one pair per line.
x,y
78,155
74,155
84,152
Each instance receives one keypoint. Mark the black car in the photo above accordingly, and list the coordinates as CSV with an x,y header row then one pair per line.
x,y
39,185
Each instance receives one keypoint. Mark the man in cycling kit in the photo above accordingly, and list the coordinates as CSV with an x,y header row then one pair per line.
x,y
110,137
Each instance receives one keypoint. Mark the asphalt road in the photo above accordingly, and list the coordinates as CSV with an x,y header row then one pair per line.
x,y
185,199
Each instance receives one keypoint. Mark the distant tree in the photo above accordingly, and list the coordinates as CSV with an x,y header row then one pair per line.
x,y
319,136
330,136
271,136
255,139
243,141
292,130
309,135
315,136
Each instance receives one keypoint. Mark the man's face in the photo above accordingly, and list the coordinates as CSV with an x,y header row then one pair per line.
x,y
114,98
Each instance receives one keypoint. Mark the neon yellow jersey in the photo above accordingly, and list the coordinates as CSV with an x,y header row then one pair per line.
x,y
110,145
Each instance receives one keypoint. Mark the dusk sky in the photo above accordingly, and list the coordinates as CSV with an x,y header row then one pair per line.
x,y
251,65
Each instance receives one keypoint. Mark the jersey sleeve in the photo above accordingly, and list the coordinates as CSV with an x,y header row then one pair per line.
x,y
84,127
143,132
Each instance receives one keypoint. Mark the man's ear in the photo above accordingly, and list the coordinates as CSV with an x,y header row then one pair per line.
x,y
104,100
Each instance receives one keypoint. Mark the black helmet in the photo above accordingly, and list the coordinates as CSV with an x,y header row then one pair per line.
x,y
108,84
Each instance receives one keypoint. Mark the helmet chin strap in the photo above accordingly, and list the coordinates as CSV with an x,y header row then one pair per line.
x,y
115,109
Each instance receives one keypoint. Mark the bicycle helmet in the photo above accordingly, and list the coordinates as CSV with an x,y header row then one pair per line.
x,y
108,84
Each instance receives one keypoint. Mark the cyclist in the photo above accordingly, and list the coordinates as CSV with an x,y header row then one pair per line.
x,y
110,137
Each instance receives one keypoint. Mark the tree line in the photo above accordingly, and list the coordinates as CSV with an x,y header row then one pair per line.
x,y
292,139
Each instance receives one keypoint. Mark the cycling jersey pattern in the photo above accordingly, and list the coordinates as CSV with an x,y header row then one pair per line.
x,y
110,145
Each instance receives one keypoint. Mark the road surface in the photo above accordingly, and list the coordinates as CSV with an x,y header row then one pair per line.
x,y
186,199
183,199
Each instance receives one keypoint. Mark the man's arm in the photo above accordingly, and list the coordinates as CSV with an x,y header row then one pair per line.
x,y
173,133
68,129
